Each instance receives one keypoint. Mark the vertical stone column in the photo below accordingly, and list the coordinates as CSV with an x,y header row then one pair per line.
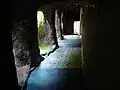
x,y
33,39
64,21
20,32
81,13
47,30
49,13
24,36
58,24
25,41
61,22
53,27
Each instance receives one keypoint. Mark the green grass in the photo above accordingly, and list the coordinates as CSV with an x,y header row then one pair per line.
x,y
43,47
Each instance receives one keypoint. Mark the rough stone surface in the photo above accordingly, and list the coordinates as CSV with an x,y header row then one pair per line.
x,y
25,47
24,37
53,27
47,39
57,23
49,13
20,45
22,74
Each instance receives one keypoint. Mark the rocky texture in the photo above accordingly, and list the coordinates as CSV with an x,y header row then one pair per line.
x,y
54,36
25,44
49,25
21,50
57,23
49,29
22,74
24,36
47,39
33,39
20,45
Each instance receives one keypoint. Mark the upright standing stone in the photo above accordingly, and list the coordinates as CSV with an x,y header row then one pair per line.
x,y
58,24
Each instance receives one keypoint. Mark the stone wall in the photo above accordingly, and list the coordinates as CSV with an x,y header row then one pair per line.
x,y
25,42
47,26
20,45
101,45
47,39
57,23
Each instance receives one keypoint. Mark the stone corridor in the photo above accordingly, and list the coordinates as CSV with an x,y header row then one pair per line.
x,y
61,70
99,20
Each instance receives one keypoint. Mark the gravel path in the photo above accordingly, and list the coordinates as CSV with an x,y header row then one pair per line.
x,y
67,56
61,69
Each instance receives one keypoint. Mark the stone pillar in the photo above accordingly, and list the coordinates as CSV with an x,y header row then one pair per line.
x,y
49,26
81,13
101,46
25,44
47,30
64,21
20,37
58,24
53,27
36,58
